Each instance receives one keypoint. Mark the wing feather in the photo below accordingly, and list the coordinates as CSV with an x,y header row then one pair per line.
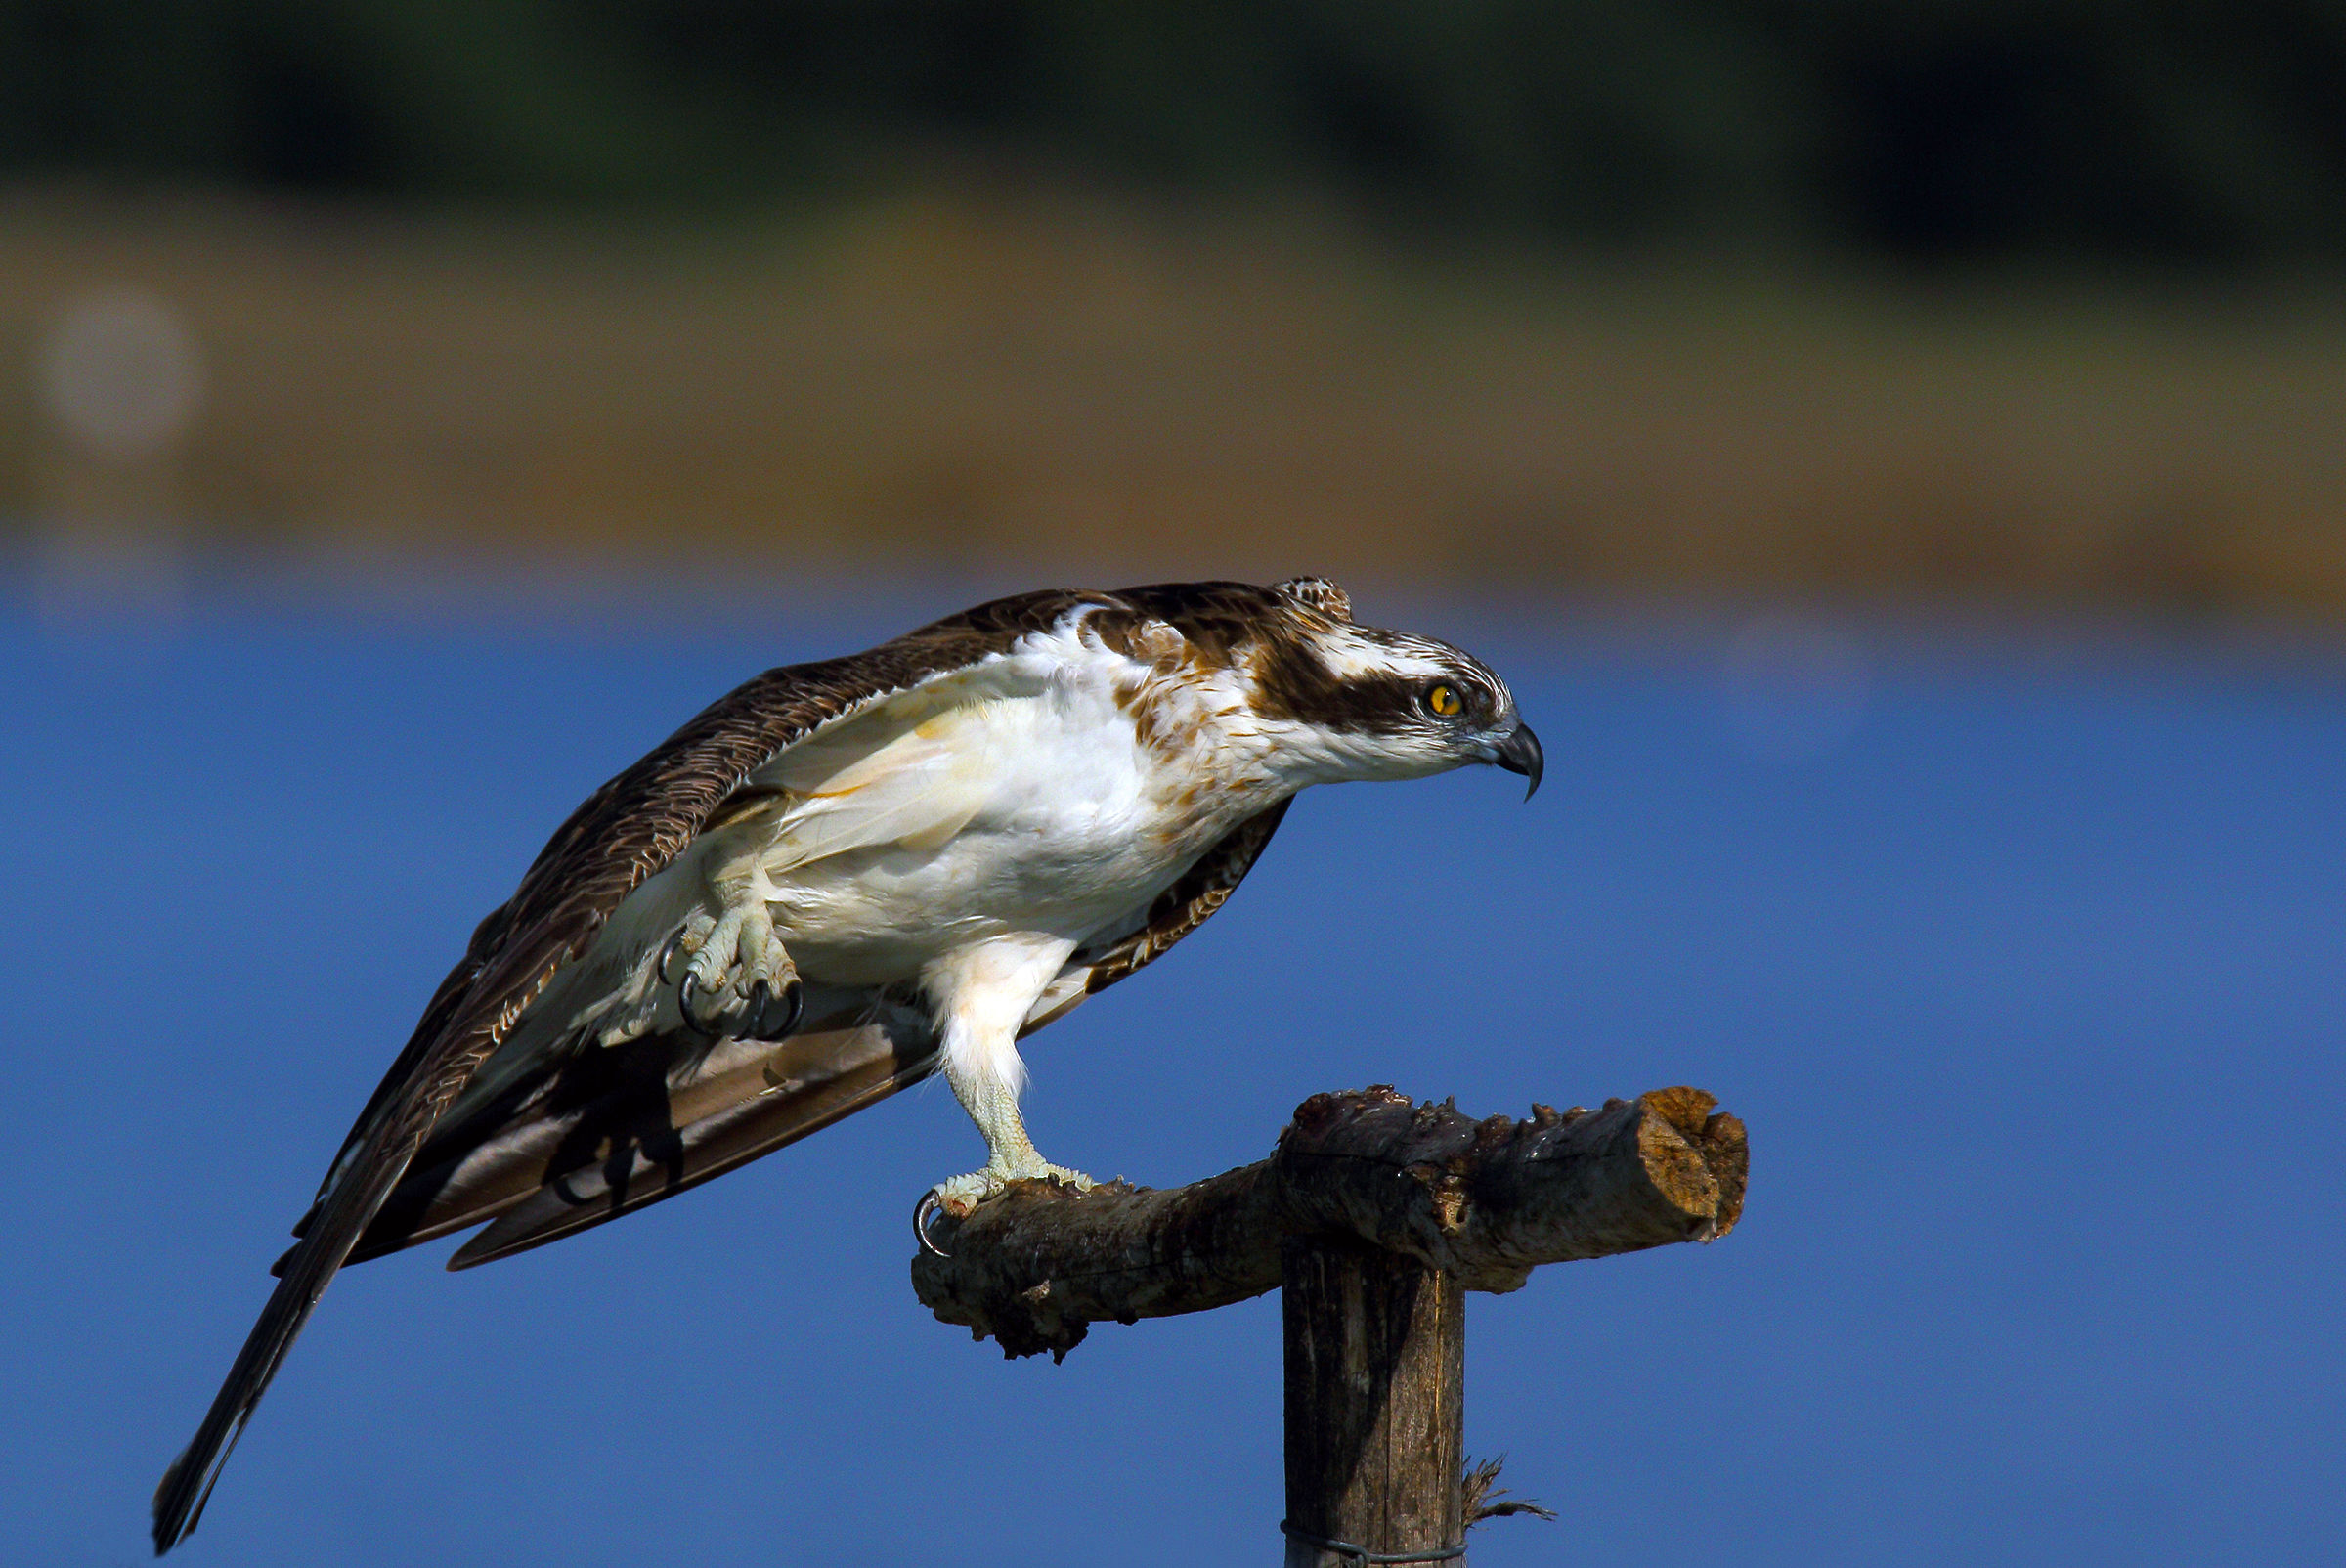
x,y
834,1077
658,1095
623,834
919,788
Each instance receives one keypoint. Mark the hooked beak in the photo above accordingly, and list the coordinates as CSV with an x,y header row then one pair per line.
x,y
1520,753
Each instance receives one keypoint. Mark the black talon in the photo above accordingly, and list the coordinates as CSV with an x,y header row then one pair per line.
x,y
685,990
667,956
778,1015
927,1206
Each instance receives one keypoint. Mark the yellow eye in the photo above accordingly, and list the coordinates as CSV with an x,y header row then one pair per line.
x,y
1445,701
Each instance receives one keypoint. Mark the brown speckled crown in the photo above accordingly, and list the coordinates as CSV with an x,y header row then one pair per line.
x,y
1320,594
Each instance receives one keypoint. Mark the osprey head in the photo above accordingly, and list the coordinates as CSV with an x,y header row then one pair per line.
x,y
1372,704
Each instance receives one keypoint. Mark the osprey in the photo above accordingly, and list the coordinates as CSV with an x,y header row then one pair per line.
x,y
843,877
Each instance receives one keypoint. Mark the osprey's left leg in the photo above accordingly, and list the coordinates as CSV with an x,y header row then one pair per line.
x,y
734,979
985,995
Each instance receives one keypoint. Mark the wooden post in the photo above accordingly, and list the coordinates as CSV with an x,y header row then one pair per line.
x,y
1375,1375
1376,1215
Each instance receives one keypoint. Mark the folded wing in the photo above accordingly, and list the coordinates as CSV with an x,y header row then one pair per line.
x,y
625,833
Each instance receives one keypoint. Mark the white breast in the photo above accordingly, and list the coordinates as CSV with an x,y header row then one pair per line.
x,y
1021,797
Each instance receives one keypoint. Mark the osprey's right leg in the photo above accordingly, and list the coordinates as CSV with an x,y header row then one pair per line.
x,y
1011,1156
734,979
987,991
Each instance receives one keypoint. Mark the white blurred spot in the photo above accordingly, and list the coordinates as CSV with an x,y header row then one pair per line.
x,y
120,374
1794,688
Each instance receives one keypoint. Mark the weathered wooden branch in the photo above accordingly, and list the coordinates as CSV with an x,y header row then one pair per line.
x,y
1483,1202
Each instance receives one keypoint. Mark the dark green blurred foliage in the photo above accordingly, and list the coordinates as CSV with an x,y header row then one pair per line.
x,y
2213,130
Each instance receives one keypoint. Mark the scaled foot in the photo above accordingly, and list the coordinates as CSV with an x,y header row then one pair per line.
x,y
734,979
963,1194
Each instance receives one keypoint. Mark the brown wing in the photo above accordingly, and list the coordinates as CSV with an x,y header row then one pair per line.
x,y
623,834
598,1133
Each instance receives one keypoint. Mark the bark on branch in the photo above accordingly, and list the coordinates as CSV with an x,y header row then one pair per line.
x,y
1486,1201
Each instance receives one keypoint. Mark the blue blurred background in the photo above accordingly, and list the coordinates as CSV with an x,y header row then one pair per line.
x,y
1893,453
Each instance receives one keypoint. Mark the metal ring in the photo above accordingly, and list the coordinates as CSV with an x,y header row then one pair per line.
x,y
1356,1556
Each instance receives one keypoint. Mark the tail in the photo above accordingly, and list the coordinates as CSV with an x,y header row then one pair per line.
x,y
309,1268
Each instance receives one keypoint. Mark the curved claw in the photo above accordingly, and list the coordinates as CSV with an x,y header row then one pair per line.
x,y
687,989
773,1016
668,957
928,1206
771,1013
